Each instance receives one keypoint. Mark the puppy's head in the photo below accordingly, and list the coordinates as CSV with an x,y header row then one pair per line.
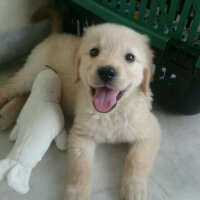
x,y
112,61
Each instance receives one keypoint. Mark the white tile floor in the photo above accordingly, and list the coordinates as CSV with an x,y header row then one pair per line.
x,y
175,174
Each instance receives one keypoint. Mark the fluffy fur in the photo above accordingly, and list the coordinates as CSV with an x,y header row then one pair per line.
x,y
16,14
130,121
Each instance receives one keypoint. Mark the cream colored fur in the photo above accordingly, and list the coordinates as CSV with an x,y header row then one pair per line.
x,y
130,121
16,14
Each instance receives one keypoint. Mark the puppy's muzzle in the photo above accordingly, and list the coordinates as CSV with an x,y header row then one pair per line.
x,y
106,73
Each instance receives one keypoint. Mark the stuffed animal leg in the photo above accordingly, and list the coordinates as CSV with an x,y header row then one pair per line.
x,y
40,121
60,140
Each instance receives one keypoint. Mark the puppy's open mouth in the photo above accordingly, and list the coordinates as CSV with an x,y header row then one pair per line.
x,y
105,99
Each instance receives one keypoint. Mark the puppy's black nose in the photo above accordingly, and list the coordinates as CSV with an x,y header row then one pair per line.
x,y
106,73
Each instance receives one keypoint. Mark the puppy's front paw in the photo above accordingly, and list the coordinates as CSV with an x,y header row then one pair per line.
x,y
10,111
75,192
4,121
2,99
133,189
7,117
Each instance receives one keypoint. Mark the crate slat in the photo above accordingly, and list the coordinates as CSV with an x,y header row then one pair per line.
x,y
193,29
183,19
142,11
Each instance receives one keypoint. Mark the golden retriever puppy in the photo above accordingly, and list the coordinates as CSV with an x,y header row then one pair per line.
x,y
105,76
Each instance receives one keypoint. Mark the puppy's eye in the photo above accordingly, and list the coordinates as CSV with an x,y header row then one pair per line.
x,y
129,57
94,52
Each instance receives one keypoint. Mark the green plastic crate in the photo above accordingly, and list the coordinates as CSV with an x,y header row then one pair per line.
x,y
142,15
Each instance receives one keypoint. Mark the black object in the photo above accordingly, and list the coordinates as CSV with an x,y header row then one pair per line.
x,y
177,80
94,52
106,73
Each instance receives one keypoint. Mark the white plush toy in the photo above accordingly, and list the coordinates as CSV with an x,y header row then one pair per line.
x,y
39,122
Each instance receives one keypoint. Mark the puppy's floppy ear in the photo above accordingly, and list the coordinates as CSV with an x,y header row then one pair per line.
x,y
147,74
146,80
76,62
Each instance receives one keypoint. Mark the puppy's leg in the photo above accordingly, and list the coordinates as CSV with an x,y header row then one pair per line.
x,y
137,165
10,111
20,84
80,152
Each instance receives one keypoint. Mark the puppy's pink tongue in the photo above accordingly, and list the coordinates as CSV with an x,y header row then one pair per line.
x,y
104,99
